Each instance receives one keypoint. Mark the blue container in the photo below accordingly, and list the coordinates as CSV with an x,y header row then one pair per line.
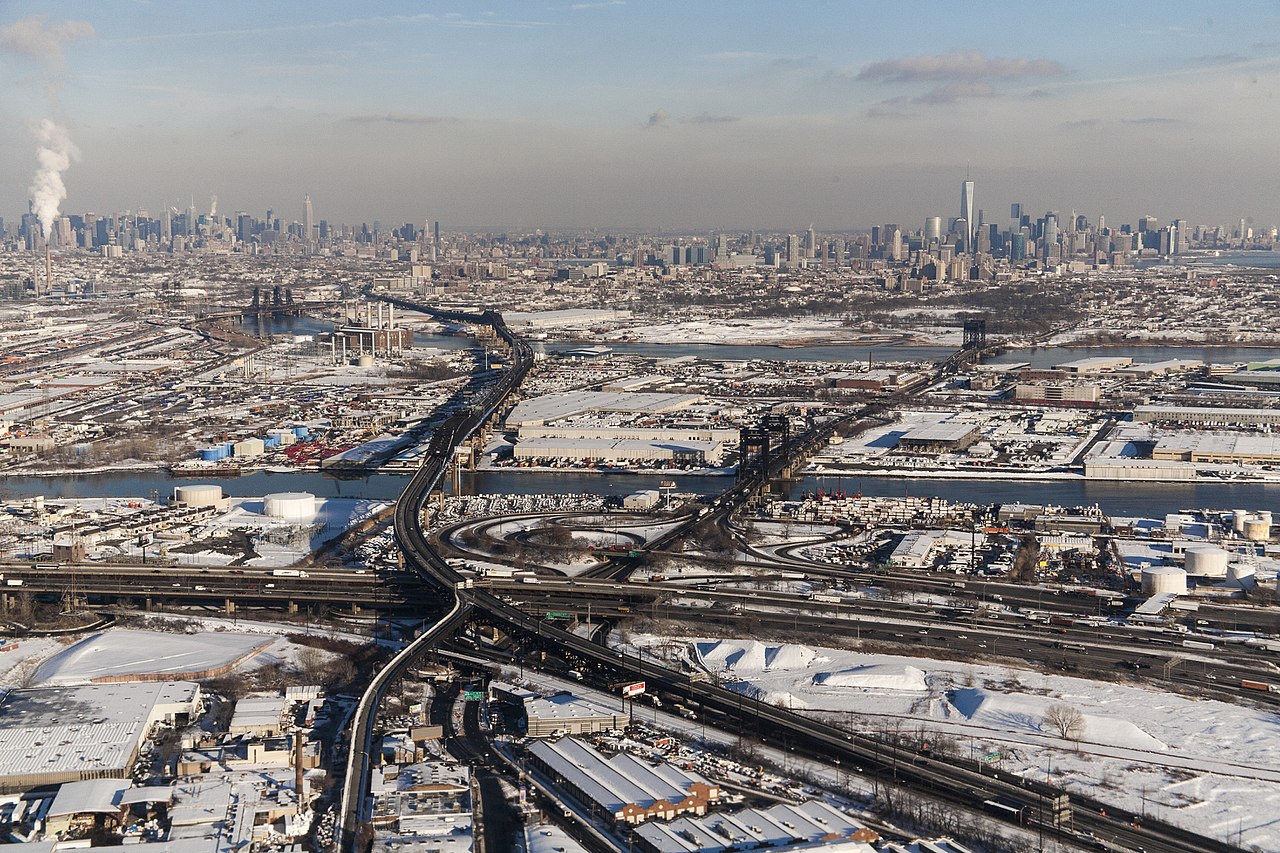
x,y
301,432
213,454
228,448
271,441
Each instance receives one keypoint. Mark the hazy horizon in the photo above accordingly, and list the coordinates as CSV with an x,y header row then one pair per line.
x,y
652,116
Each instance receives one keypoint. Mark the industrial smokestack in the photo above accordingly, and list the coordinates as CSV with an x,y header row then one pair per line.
x,y
298,781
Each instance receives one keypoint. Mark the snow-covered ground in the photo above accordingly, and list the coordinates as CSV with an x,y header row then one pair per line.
x,y
1209,766
123,652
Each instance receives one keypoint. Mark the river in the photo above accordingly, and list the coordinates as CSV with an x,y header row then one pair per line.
x,y
1123,499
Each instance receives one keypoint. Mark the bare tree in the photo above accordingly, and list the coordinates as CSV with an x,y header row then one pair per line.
x,y
1067,721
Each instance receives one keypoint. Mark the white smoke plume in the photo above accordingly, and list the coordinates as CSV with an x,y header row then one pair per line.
x,y
54,157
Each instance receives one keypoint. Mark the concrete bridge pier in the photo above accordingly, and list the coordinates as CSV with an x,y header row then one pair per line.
x,y
291,607
228,606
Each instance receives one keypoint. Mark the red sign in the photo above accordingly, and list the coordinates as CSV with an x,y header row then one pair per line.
x,y
630,691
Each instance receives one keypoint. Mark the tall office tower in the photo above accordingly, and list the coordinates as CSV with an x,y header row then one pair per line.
x,y
962,231
1015,212
166,224
244,226
838,251
812,237
932,229
1147,223
191,219
1102,223
1018,246
895,244
966,212
1181,233
793,248
1050,234
308,218
1071,223
875,235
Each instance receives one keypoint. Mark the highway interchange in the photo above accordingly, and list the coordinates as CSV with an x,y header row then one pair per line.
x,y
519,607
946,615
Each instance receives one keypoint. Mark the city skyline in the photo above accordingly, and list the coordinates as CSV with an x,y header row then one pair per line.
x,y
645,117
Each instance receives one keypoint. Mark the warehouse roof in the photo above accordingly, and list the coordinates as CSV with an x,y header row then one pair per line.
x,y
948,430
90,795
810,821
88,728
614,782
553,406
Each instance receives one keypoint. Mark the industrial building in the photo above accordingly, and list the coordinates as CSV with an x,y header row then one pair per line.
x,y
624,450
572,715
1057,394
812,822
1206,416
52,735
551,407
947,436
624,788
1218,447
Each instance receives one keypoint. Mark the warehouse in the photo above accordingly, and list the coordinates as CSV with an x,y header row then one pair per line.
x,y
659,434
810,822
947,436
52,735
623,788
1057,394
571,715
620,451
550,407
1217,447
1206,416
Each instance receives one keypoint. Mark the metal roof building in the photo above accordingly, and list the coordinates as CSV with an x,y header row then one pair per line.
x,y
623,788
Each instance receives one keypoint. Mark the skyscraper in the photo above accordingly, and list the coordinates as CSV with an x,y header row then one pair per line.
x,y
932,229
308,219
966,212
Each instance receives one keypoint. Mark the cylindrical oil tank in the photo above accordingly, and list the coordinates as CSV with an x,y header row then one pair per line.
x,y
290,506
1256,529
216,453
1157,580
1265,515
284,436
1237,519
1241,574
1207,561
201,494
249,447
365,360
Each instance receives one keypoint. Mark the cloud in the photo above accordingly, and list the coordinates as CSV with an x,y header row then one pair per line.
x,y
1219,59
398,118
959,66
33,38
578,7
658,118
1081,123
1151,120
708,118
1036,94
734,55
953,92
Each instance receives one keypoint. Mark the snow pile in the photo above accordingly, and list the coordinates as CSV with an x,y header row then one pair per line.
x,y
875,677
749,657
120,654
1018,711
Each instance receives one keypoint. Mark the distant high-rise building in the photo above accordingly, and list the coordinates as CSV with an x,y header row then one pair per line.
x,y
966,211
1018,246
793,248
812,242
1147,223
895,245
1015,212
308,219
932,229
1102,223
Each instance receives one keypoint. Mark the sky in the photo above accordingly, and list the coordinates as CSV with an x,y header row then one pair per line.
x,y
647,114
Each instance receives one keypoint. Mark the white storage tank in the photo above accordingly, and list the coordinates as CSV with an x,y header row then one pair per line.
x,y
1242,575
1207,561
285,436
1237,520
203,494
1257,529
290,506
365,360
249,447
1157,580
